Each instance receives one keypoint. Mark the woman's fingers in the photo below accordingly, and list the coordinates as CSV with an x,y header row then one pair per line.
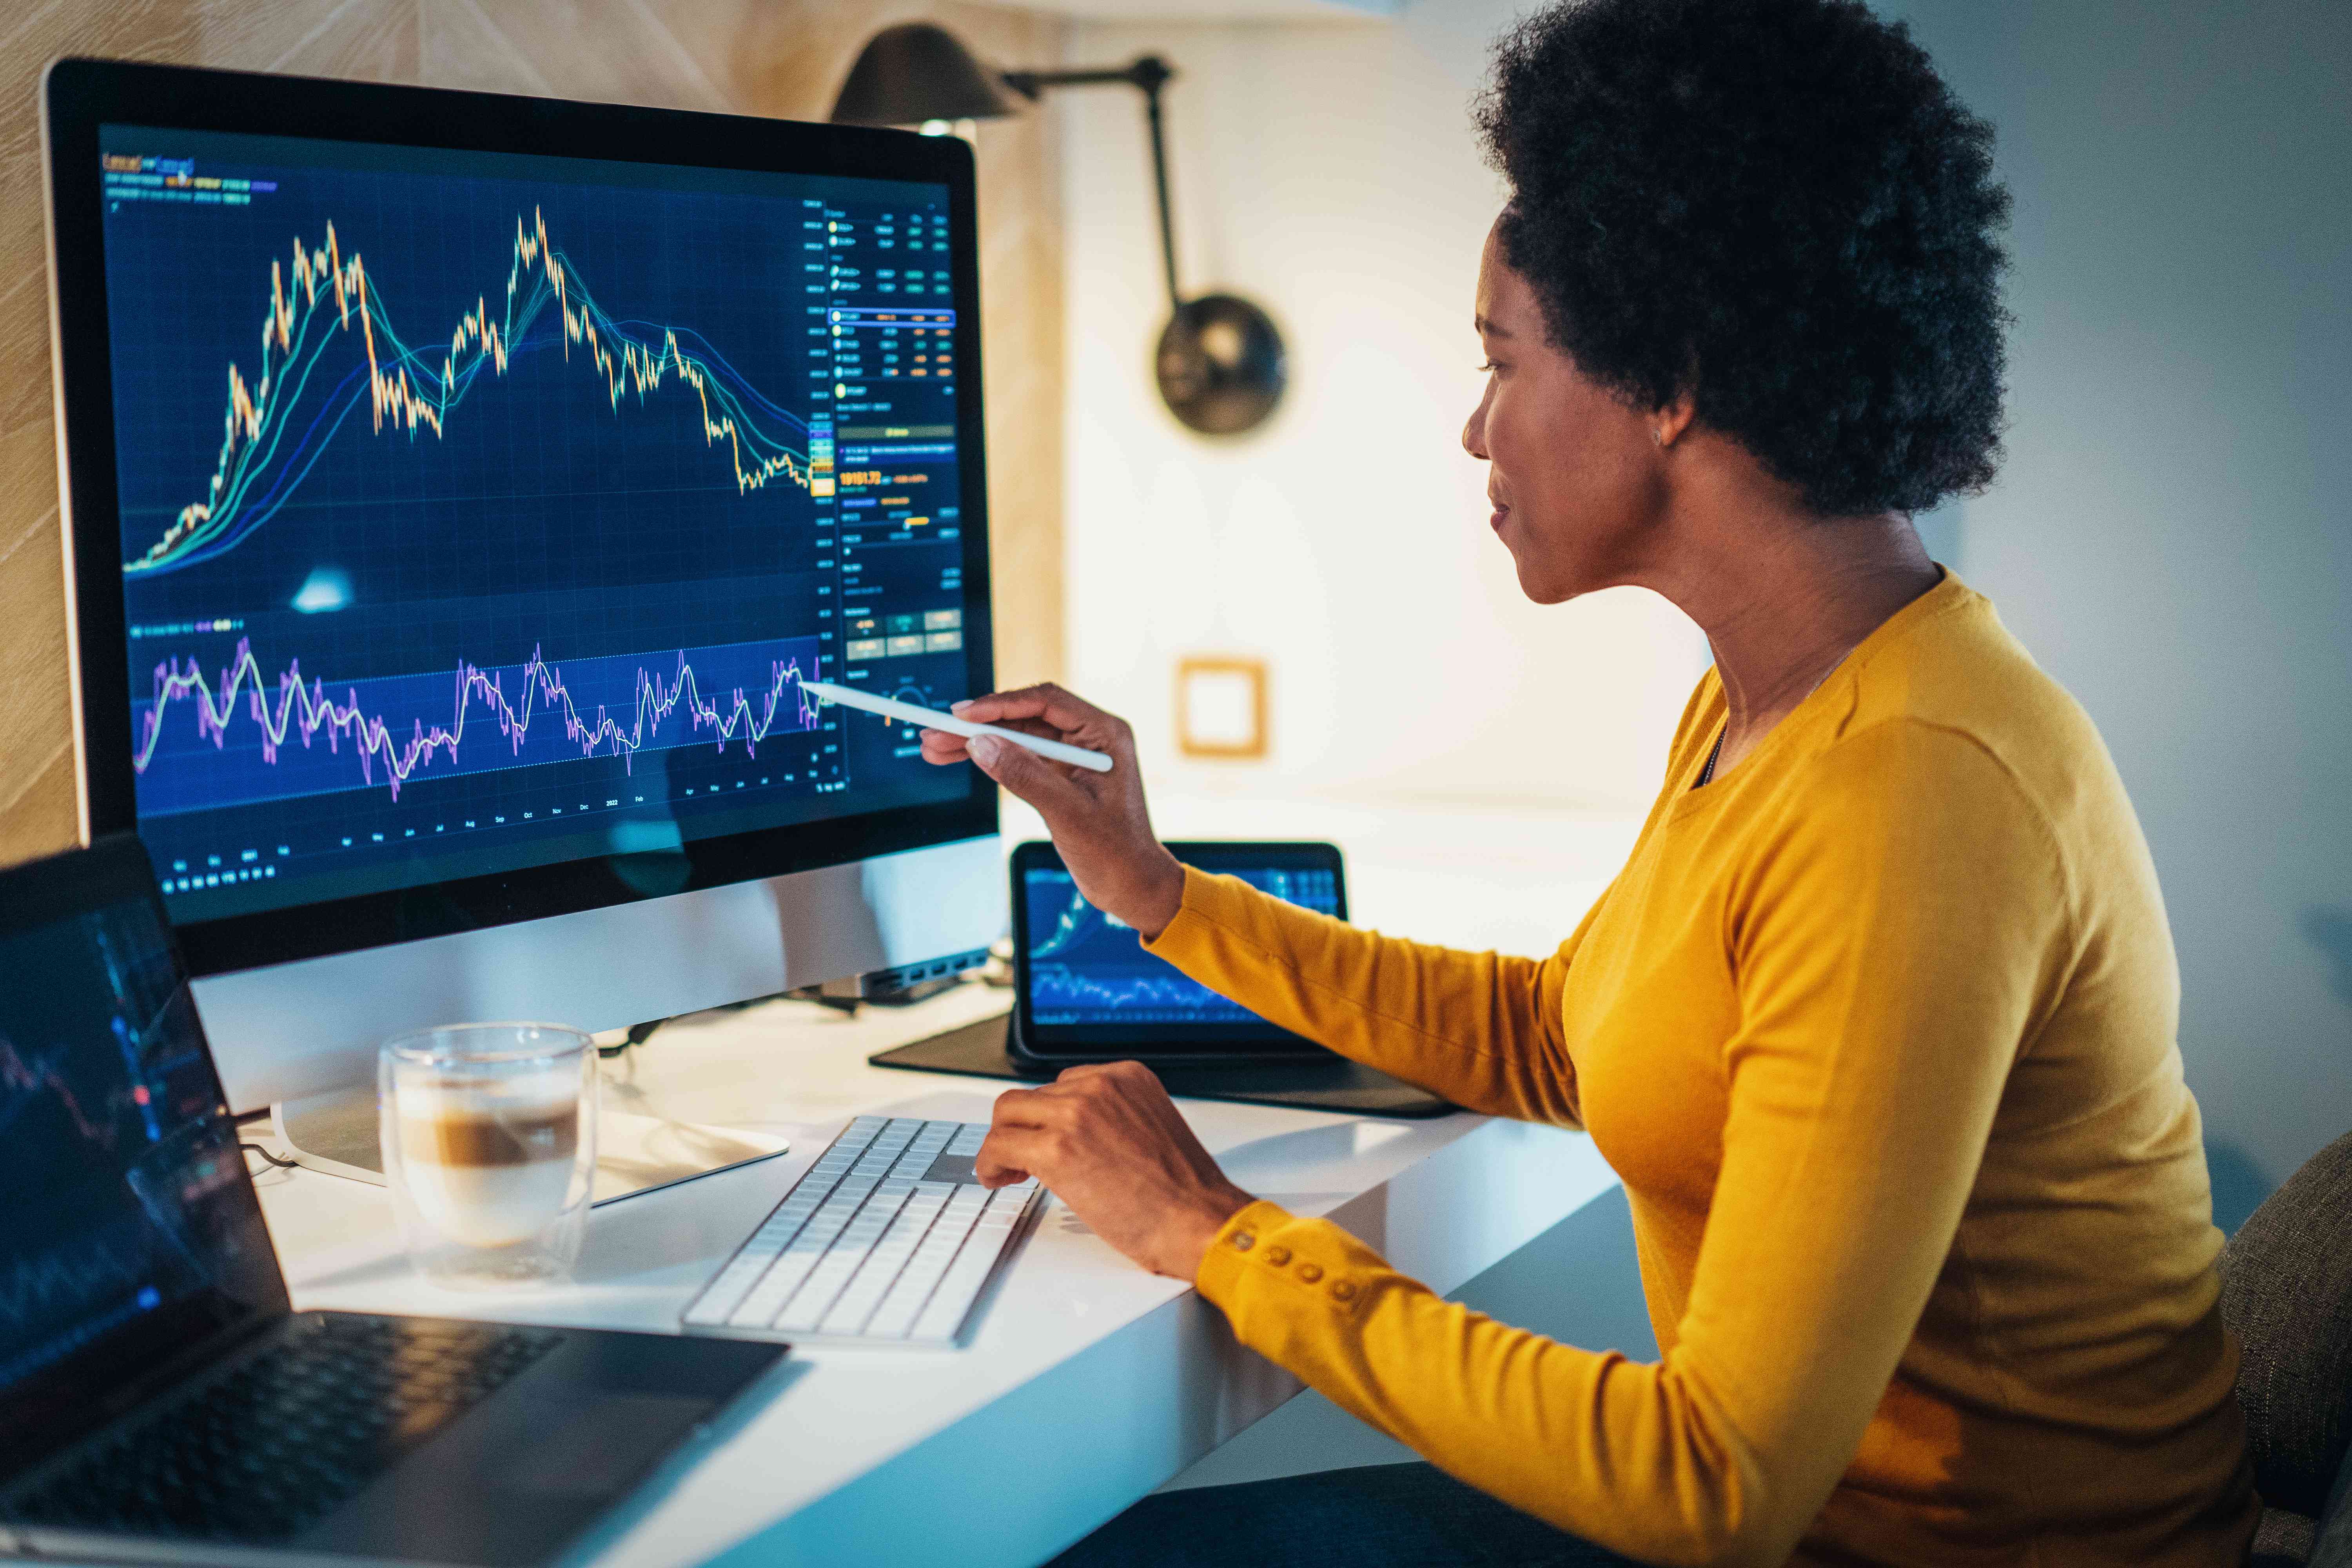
x,y
1037,727
942,748
1098,821
996,707
1110,1143
1060,710
1019,1108
1039,782
1001,1161
1011,1150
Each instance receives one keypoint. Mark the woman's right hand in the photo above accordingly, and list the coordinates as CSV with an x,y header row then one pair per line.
x,y
1098,821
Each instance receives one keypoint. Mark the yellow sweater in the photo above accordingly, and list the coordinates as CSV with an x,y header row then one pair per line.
x,y
1878,1028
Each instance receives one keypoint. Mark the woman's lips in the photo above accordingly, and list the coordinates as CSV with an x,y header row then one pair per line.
x,y
1495,521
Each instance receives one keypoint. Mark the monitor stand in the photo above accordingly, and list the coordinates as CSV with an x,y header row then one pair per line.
x,y
336,1134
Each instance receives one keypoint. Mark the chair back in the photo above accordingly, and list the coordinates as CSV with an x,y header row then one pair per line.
x,y
2287,1293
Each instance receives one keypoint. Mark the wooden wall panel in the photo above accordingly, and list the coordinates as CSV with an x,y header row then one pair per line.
x,y
783,58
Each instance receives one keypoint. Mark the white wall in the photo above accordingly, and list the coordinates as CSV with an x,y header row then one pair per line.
x,y
1328,173
2171,533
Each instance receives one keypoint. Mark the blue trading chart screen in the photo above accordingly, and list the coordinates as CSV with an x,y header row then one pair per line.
x,y
126,1191
1087,967
485,512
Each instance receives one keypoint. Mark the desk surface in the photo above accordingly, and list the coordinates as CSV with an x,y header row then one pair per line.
x,y
1086,1381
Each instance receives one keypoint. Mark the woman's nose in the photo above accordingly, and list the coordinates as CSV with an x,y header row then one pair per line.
x,y
1474,431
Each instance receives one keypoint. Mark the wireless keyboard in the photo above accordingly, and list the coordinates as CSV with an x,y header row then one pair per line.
x,y
887,1239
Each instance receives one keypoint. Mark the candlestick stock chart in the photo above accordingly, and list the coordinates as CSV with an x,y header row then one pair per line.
x,y
325,297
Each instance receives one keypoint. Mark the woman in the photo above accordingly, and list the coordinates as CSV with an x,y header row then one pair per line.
x,y
1877,1022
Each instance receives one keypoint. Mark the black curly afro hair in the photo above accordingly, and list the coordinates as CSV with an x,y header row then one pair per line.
x,y
1777,206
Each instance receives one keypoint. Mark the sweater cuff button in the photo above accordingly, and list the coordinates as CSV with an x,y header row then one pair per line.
x,y
1309,1272
1244,1241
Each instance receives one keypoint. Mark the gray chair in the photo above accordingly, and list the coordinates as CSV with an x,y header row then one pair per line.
x,y
2287,1293
2333,1549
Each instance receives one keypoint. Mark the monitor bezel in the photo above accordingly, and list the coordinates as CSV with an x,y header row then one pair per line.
x,y
1164,1042
80,96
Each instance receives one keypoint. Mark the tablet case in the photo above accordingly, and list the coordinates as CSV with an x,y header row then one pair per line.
x,y
978,1050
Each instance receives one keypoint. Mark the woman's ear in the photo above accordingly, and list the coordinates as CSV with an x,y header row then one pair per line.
x,y
1667,424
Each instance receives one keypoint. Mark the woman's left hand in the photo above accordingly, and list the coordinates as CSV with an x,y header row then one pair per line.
x,y
1108,1141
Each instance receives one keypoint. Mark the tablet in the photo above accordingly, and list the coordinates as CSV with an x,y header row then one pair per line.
x,y
1084,989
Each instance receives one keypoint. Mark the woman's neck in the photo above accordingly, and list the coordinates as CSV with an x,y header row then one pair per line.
x,y
1783,600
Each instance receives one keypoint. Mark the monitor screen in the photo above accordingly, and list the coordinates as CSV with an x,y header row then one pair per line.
x,y
133,1227
485,510
1087,981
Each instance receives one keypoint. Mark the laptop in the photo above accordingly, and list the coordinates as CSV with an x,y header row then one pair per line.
x,y
1084,989
160,1398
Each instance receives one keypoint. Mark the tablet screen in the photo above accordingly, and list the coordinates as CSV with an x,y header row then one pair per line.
x,y
1088,984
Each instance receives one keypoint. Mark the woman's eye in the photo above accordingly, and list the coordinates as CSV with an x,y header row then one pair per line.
x,y
1487,367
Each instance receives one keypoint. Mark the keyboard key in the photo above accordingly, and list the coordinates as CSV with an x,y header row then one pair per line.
x,y
824,1282
883,1265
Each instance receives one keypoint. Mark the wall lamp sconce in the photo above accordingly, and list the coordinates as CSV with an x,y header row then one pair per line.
x,y
1221,363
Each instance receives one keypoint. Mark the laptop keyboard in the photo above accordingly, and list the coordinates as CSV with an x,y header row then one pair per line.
x,y
268,1450
887,1239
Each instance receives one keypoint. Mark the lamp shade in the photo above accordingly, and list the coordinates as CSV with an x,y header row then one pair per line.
x,y
1221,364
914,72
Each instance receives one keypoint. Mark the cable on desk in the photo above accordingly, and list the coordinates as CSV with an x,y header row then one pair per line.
x,y
638,1035
257,1149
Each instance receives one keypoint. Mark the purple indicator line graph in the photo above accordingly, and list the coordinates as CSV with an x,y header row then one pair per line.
x,y
232,735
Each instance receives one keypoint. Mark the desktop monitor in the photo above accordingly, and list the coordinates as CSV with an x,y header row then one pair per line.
x,y
458,489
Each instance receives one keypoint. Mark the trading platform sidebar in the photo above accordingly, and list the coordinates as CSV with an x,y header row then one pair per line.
x,y
900,508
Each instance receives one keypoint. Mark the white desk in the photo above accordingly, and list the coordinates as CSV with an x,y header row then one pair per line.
x,y
1087,1382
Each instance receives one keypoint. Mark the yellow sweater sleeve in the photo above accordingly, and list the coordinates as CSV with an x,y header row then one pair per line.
x,y
1482,1029
1894,941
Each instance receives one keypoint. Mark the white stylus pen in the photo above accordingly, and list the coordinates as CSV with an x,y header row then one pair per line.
x,y
932,719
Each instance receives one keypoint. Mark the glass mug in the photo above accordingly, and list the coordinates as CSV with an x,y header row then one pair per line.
x,y
490,1149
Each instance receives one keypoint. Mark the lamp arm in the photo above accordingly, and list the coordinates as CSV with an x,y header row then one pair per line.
x,y
1148,74
1032,85
1160,179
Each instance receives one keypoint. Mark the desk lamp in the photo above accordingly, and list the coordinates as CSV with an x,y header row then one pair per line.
x,y
1219,362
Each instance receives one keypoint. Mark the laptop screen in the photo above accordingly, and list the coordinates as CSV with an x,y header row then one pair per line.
x,y
133,1233
1087,984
